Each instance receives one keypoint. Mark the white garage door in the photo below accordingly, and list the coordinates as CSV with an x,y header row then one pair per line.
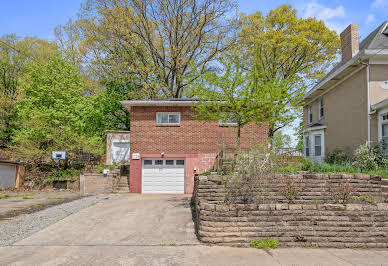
x,y
163,176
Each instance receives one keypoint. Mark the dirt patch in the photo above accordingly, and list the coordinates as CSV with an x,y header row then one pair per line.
x,y
13,203
34,208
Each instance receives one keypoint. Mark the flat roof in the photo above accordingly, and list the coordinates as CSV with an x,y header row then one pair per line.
x,y
160,102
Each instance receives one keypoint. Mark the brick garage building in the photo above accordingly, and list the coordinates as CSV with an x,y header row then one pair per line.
x,y
169,146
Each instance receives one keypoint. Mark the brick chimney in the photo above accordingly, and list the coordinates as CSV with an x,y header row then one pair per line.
x,y
349,42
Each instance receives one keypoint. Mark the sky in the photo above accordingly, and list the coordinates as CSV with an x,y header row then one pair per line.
x,y
39,17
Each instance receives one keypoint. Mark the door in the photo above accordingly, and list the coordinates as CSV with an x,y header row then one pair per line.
x,y
163,176
120,152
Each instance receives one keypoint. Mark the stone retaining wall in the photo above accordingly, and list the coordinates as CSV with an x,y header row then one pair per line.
x,y
322,225
315,187
306,225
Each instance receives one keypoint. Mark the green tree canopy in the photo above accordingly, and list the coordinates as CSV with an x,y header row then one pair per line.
x,y
236,94
51,112
283,45
15,56
153,43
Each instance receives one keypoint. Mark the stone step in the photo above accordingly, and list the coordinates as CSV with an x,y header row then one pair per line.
x,y
384,188
384,182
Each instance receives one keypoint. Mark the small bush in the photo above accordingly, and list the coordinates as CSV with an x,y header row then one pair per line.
x,y
250,169
63,175
306,164
100,169
291,191
340,192
338,156
367,199
268,243
365,158
6,196
290,170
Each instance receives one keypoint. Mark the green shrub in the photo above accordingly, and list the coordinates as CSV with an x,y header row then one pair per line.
x,y
268,243
380,157
365,158
6,196
365,198
338,156
100,169
306,164
63,174
321,168
290,170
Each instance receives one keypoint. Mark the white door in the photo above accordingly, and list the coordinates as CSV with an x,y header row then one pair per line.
x,y
120,152
163,176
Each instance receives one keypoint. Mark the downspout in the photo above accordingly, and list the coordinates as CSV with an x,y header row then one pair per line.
x,y
368,113
368,102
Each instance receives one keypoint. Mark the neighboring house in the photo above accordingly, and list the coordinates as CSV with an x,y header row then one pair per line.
x,y
168,146
349,106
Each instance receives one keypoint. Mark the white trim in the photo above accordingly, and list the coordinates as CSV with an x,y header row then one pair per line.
x,y
168,113
309,129
320,101
311,134
309,114
380,105
368,101
380,122
376,52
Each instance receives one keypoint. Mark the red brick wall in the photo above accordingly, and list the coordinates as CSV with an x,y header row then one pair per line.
x,y
192,136
196,141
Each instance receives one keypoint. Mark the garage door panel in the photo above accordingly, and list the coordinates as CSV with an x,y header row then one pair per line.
x,y
162,176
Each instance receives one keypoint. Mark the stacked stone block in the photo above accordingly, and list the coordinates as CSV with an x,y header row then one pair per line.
x,y
305,224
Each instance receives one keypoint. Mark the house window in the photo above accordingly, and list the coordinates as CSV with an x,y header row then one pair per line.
x,y
309,114
158,162
169,162
321,111
168,118
384,133
147,162
307,146
317,145
180,162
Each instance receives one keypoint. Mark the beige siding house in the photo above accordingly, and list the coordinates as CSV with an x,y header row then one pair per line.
x,y
349,106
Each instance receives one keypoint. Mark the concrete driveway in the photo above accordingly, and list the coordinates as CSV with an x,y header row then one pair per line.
x,y
154,230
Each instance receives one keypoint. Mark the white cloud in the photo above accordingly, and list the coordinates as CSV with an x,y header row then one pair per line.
x,y
333,17
314,9
370,18
380,4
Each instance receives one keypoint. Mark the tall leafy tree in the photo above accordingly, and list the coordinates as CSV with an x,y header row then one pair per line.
x,y
15,55
283,45
155,43
234,93
51,112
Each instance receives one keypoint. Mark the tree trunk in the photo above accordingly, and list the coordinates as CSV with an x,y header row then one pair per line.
x,y
238,141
